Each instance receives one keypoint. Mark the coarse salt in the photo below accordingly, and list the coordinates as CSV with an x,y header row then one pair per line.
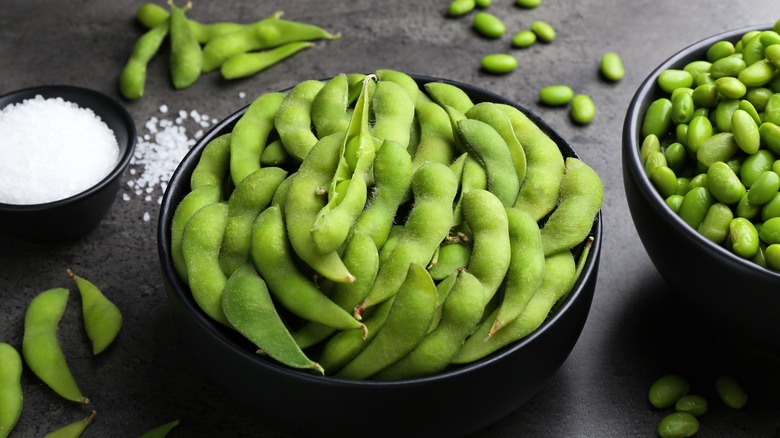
x,y
52,149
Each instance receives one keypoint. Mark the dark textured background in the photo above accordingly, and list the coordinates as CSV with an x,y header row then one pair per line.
x,y
636,330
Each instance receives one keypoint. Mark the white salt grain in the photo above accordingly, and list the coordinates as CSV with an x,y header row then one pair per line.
x,y
52,149
163,108
147,217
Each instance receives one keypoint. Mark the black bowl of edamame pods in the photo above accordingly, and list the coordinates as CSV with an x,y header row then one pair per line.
x,y
415,360
65,149
700,148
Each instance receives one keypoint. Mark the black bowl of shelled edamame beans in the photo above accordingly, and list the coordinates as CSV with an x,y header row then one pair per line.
x,y
65,150
454,401
707,235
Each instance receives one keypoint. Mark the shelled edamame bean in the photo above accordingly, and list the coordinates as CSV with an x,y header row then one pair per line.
x,y
435,169
717,120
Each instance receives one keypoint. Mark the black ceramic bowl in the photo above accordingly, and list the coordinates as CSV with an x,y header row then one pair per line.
x,y
452,403
740,298
72,217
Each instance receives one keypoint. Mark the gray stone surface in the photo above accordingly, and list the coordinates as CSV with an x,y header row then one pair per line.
x,y
636,330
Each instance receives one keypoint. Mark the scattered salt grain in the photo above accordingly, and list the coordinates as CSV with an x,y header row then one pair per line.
x,y
147,217
163,108
52,149
241,95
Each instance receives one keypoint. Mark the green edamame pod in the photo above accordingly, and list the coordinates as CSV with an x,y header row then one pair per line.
x,y
250,135
724,184
133,76
186,54
40,348
526,267
250,197
304,200
151,15
743,237
250,310
273,258
487,145
695,205
433,188
582,194
437,142
460,313
657,118
494,116
559,272
329,109
393,112
162,430
332,225
191,203
73,430
214,165
11,395
392,178
200,243
406,82
544,166
715,225
406,324
247,64
293,119
449,95
264,34
274,155
731,392
102,318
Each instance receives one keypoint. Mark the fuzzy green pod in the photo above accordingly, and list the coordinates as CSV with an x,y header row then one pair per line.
x,y
162,430
11,395
132,79
102,318
73,430
247,64
249,136
186,53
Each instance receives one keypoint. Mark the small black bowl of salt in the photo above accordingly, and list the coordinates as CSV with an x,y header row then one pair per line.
x,y
63,151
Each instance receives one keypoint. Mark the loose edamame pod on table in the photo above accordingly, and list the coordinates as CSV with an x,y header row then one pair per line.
x,y
186,54
151,15
162,430
102,318
132,79
11,395
251,63
73,430
41,349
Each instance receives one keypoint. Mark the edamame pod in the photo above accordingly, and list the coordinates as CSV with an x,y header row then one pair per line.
x,y
293,119
213,165
248,64
491,150
11,395
393,112
449,95
102,318
329,109
73,430
250,135
186,54
250,197
162,430
200,243
526,267
250,310
582,194
40,348
407,323
495,117
559,272
133,76
273,258
433,188
545,166
192,202
437,142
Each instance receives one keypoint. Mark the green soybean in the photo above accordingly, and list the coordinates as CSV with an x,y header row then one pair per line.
x,y
693,404
11,395
729,66
758,96
556,95
770,231
543,30
682,108
695,205
671,79
678,425
611,66
488,25
743,237
664,180
676,156
755,165
772,255
723,113
769,134
524,38
731,392
764,188
528,3
247,64
771,208
719,50
665,391
715,225
719,147
499,63
249,136
102,318
724,184
658,118
200,243
162,430
649,144
250,310
705,96
730,88
186,53
459,8
407,323
40,347
583,110
73,430
674,202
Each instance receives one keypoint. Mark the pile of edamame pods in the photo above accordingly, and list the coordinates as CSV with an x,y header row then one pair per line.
x,y
367,227
236,50
711,145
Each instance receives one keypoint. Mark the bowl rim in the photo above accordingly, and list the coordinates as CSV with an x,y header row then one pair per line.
x,y
631,142
54,91
589,271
